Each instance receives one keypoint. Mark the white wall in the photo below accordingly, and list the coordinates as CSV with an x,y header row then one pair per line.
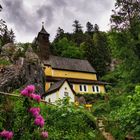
x,y
61,93
52,97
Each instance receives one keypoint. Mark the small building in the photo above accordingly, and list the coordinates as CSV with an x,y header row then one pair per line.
x,y
59,90
80,76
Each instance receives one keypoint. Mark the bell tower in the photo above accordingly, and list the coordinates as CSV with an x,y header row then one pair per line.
x,y
43,44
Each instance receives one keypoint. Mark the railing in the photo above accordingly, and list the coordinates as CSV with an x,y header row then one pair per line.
x,y
19,96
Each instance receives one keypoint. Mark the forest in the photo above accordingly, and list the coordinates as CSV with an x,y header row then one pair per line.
x,y
115,54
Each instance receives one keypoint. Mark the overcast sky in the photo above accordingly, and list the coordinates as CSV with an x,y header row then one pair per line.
x,y
25,16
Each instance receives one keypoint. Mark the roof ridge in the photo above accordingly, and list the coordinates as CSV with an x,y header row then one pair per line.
x,y
68,57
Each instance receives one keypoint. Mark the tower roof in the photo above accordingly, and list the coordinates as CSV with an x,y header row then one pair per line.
x,y
43,31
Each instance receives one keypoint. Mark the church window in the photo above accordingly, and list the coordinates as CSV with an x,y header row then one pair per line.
x,y
95,88
85,88
80,87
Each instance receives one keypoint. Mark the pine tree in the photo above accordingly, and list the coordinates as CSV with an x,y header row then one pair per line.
x,y
6,36
77,27
125,39
96,28
60,32
12,36
89,27
0,7
126,14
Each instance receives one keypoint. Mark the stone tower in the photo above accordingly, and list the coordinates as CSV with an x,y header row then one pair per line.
x,y
43,44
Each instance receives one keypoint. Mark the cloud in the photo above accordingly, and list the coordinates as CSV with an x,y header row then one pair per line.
x,y
16,14
25,16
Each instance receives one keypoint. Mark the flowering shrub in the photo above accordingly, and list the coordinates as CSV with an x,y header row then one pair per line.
x,y
35,97
39,120
44,134
34,111
29,92
6,134
26,120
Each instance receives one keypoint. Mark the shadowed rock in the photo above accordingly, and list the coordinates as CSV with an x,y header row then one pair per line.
x,y
26,71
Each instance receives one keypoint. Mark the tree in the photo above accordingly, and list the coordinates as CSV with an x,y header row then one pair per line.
x,y
96,28
77,27
101,53
126,14
6,36
12,36
60,33
90,28
64,47
0,7
126,38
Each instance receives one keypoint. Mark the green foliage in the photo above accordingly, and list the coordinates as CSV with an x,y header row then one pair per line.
x,y
62,121
15,117
124,42
7,36
90,29
120,113
67,48
128,114
91,98
22,47
4,62
77,27
66,121
101,53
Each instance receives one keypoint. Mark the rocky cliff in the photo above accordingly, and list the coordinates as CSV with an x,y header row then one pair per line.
x,y
22,72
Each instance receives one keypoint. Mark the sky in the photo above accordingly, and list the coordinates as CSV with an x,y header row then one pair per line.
x,y
25,17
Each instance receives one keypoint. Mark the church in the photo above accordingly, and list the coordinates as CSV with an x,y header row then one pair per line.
x,y
65,76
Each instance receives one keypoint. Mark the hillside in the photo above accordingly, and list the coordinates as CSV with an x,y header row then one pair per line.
x,y
114,54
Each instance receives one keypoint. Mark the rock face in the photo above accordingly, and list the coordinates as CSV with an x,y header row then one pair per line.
x,y
34,72
11,77
26,71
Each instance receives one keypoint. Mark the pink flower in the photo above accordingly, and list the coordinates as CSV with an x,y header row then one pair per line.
x,y
44,134
33,95
31,88
35,111
6,134
27,91
39,120
24,92
36,97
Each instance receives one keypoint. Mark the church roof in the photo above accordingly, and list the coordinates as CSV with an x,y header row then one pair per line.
x,y
71,64
56,86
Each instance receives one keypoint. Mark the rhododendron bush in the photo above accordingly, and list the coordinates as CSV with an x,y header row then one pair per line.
x,y
27,118
21,118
